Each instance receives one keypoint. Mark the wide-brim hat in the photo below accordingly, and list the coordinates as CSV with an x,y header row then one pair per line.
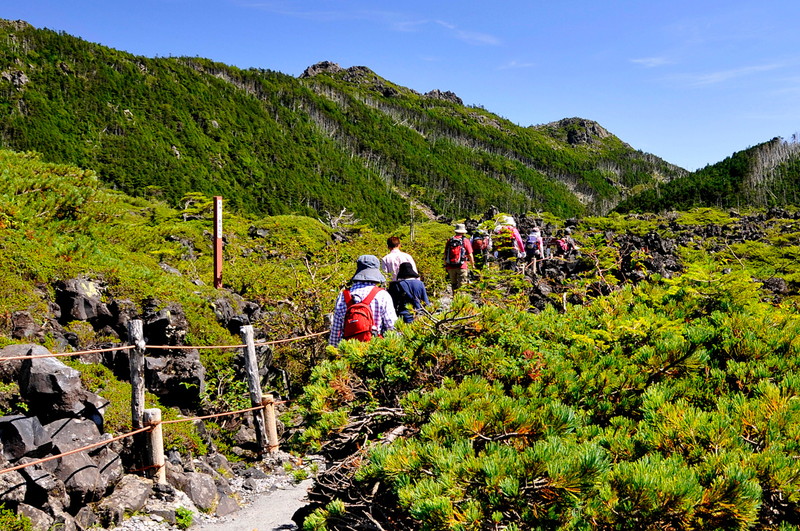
x,y
460,229
368,269
406,270
507,221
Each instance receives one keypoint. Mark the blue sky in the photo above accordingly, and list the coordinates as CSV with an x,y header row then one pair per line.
x,y
689,81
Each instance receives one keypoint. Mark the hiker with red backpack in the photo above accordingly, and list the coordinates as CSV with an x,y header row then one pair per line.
x,y
364,310
481,248
458,257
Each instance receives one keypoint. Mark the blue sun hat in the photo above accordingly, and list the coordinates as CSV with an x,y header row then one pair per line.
x,y
368,269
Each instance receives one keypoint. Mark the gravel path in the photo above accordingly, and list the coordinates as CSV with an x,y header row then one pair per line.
x,y
267,503
268,512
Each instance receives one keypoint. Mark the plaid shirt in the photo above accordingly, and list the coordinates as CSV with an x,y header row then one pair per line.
x,y
383,313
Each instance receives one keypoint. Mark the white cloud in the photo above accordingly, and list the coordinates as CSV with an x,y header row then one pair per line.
x,y
473,37
514,64
470,37
721,76
395,20
652,62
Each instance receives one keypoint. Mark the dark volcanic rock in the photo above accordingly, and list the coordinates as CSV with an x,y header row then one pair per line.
x,y
23,436
51,388
178,379
9,370
23,326
129,496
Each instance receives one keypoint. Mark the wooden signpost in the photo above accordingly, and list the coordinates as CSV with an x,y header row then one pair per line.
x,y
217,242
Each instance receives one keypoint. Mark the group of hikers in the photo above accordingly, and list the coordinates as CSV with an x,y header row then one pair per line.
x,y
506,245
365,310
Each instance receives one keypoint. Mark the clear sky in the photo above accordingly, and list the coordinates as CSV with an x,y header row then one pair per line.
x,y
691,81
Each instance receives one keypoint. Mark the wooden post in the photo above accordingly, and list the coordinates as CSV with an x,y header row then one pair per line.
x,y
217,242
155,446
136,357
254,386
272,424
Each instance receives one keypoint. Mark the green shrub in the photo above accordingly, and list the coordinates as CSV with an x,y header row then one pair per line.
x,y
9,521
183,518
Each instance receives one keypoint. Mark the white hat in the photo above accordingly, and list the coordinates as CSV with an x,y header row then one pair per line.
x,y
507,220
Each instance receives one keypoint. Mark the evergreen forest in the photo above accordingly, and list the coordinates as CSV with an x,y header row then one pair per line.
x,y
275,144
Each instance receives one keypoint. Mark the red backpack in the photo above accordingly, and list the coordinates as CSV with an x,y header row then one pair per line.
x,y
358,319
455,253
480,242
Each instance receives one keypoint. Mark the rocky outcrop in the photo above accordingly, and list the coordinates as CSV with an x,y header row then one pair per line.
x,y
444,95
323,67
576,131
16,77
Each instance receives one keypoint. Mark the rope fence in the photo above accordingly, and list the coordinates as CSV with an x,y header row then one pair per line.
x,y
76,450
267,403
66,354
149,420
162,347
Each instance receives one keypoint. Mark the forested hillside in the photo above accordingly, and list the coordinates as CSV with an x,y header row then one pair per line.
x,y
765,175
274,144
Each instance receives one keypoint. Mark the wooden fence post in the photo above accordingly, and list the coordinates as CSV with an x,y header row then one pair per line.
x,y
155,446
254,386
272,425
136,358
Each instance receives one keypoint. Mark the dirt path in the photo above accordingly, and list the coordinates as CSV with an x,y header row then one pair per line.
x,y
270,511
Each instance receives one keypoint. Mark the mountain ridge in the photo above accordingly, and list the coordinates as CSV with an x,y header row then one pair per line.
x,y
275,144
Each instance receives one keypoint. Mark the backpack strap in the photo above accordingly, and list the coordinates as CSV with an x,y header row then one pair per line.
x,y
368,299
348,298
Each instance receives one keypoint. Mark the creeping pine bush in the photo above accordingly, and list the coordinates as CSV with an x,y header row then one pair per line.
x,y
13,522
672,405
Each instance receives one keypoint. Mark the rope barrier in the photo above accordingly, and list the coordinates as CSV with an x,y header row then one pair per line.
x,y
203,417
64,354
242,345
162,347
77,450
227,413
275,342
264,405
136,432
189,347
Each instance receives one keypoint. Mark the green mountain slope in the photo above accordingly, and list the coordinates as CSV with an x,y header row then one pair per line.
x,y
275,144
765,175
